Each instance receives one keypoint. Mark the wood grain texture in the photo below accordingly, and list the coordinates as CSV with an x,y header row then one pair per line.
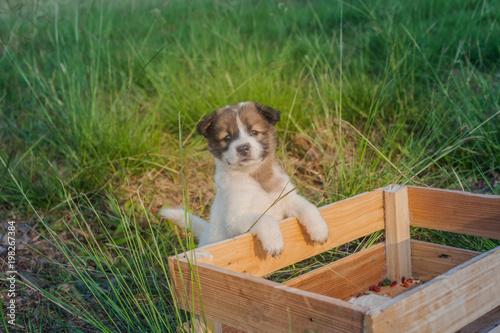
x,y
254,304
346,277
460,212
430,260
229,329
348,220
444,304
397,233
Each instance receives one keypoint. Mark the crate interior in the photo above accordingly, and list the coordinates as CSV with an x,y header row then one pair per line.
x,y
354,274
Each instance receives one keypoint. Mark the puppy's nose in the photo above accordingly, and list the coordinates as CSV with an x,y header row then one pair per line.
x,y
243,149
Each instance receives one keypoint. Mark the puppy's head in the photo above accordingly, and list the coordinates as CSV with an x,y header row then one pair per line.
x,y
240,135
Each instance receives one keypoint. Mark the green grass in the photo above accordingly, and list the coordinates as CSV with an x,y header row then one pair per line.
x,y
96,94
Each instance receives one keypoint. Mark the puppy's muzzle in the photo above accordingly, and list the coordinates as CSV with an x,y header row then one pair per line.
x,y
243,150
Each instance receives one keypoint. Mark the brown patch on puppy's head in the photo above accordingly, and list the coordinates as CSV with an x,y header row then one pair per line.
x,y
219,127
259,121
269,113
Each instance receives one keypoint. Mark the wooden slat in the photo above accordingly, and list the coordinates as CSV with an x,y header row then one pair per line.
x,y
229,329
397,233
460,212
254,304
445,303
346,277
486,324
348,220
430,260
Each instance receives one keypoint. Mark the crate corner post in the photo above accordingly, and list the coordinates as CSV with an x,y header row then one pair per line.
x,y
397,232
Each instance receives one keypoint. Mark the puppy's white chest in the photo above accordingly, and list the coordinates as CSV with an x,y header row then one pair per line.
x,y
242,193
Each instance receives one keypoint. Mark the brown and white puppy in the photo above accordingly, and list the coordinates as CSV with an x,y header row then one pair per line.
x,y
250,182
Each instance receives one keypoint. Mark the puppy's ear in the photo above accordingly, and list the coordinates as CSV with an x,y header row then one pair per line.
x,y
272,115
205,123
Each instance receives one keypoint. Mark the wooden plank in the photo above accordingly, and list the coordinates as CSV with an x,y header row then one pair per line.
x,y
348,220
397,233
484,324
444,304
254,304
460,212
345,277
229,329
430,260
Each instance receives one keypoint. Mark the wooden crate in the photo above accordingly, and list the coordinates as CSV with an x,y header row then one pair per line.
x,y
223,281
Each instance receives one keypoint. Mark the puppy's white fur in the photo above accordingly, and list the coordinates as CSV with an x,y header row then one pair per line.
x,y
242,202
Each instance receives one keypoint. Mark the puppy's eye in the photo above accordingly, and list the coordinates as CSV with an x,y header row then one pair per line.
x,y
254,133
227,138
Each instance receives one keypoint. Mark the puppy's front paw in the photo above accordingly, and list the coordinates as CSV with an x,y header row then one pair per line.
x,y
311,219
318,231
269,234
274,249
314,223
